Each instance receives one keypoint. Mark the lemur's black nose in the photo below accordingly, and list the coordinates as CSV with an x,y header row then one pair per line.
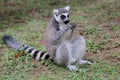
x,y
67,21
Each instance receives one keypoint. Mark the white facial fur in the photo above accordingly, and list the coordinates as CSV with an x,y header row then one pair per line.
x,y
65,14
58,18
67,8
55,12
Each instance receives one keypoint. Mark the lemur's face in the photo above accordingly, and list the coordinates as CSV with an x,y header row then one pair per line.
x,y
62,15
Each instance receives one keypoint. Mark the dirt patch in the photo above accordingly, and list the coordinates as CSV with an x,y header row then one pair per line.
x,y
38,69
1,55
113,55
108,55
106,28
116,19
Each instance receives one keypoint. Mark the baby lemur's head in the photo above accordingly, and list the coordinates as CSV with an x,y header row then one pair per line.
x,y
61,15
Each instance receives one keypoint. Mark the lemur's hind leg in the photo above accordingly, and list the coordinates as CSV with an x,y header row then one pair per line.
x,y
79,49
84,61
63,56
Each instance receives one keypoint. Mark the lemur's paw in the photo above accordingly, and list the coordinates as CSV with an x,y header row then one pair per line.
x,y
72,68
84,62
73,61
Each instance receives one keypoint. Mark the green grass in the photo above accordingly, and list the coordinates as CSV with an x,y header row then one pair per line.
x,y
98,18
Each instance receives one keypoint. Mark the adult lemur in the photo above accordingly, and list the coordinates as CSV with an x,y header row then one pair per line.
x,y
61,47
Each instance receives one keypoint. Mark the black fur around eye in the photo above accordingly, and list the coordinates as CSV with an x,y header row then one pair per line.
x,y
63,16
68,15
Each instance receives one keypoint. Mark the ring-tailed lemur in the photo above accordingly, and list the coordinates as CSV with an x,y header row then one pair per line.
x,y
58,50
61,48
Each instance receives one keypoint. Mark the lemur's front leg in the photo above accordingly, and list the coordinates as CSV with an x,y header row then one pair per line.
x,y
56,36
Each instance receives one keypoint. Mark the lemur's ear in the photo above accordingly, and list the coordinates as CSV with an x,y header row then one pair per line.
x,y
67,8
55,11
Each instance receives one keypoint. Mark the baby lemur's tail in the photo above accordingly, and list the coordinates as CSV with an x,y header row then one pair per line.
x,y
16,45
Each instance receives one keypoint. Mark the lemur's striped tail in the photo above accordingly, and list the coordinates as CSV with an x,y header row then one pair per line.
x,y
16,45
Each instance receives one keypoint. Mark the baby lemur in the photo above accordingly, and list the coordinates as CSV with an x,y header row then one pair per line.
x,y
61,47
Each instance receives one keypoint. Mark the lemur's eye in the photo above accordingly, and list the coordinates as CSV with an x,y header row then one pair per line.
x,y
63,16
68,15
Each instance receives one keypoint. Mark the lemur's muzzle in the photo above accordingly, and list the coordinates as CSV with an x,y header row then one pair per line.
x,y
67,21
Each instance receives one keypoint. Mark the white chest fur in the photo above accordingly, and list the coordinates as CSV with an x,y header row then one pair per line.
x,y
67,35
62,26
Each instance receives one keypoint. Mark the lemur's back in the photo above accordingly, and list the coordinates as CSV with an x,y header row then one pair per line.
x,y
50,29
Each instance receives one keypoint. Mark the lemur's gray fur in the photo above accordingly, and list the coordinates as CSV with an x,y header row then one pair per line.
x,y
64,51
61,47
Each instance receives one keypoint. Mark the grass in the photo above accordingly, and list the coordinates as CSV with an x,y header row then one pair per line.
x,y
99,19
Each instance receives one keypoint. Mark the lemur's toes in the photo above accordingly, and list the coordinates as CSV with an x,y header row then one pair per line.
x,y
84,61
73,25
72,68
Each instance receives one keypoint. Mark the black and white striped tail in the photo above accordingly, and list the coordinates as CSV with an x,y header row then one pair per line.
x,y
37,54
16,45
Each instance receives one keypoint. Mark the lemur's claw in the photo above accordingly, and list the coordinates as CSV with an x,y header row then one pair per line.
x,y
73,25
72,68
